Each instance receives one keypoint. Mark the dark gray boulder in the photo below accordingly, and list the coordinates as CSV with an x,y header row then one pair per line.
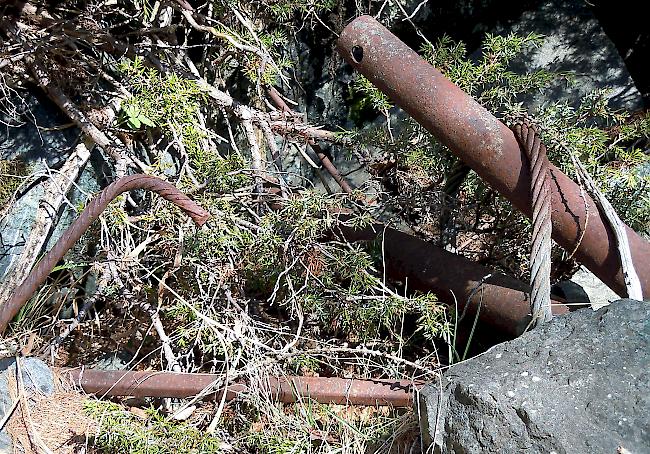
x,y
36,133
578,384
575,43
35,130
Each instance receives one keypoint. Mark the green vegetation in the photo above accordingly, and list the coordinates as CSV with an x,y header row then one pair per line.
x,y
254,67
287,9
12,174
490,81
338,285
120,431
371,96
270,286
311,427
168,101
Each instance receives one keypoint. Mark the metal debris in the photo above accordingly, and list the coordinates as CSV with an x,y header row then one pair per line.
x,y
39,274
487,146
501,302
326,390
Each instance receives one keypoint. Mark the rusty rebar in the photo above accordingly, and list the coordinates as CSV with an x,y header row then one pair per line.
x,y
324,159
540,253
487,146
39,274
397,393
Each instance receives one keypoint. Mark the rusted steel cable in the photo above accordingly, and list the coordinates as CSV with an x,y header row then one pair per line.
x,y
324,159
488,147
540,254
39,274
397,393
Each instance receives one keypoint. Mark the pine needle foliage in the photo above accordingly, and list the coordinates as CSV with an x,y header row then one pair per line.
x,y
284,10
489,80
289,262
121,431
12,173
166,101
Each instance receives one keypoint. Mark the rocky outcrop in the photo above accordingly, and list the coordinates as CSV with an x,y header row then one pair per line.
x,y
575,44
578,384
40,136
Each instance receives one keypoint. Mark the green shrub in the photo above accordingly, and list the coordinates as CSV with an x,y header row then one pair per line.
x,y
121,431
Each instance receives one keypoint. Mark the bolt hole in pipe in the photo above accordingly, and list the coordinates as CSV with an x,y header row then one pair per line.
x,y
357,54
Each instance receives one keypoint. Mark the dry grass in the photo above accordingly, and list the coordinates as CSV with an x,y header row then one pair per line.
x,y
57,422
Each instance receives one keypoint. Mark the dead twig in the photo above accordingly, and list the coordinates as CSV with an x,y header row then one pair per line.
x,y
324,159
256,154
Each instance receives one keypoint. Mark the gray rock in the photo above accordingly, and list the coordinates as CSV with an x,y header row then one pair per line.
x,y
585,287
118,360
31,135
578,384
33,131
37,378
16,225
574,42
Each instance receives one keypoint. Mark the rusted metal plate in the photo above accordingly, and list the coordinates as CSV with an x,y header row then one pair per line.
x,y
487,146
397,393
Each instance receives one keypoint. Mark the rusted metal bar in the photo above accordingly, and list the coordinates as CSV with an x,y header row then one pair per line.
x,y
39,274
488,147
502,302
396,393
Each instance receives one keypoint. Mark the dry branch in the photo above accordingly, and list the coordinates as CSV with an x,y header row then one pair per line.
x,y
55,191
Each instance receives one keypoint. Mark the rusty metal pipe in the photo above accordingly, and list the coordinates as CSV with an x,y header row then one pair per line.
x,y
487,146
396,393
502,302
